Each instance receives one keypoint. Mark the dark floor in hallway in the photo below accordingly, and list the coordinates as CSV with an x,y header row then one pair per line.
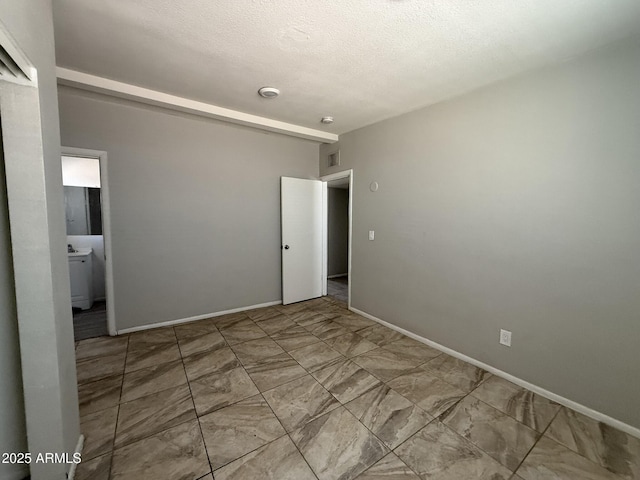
x,y
338,288
90,323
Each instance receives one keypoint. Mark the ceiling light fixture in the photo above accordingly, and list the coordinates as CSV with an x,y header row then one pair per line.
x,y
268,92
326,120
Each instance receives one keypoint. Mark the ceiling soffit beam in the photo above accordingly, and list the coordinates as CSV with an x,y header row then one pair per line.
x,y
97,84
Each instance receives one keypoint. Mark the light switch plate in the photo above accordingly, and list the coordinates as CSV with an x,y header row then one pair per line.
x,y
371,235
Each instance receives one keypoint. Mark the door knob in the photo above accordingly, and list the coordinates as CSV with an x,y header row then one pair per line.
x,y
286,247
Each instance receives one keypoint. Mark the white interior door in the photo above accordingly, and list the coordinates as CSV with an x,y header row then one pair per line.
x,y
301,204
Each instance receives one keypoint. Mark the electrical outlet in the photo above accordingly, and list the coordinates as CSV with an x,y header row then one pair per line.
x,y
505,337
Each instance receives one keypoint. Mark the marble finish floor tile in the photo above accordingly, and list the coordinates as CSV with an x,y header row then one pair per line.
x,y
276,324
151,338
90,369
527,407
265,313
306,318
242,332
458,373
291,308
229,320
152,380
148,415
205,363
298,402
503,438
389,468
234,431
410,348
614,450
195,329
437,453
98,429
327,329
345,380
177,453
148,357
351,344
427,391
203,343
390,416
255,350
352,321
278,460
273,371
217,390
99,395
380,335
294,338
550,460
384,364
315,356
101,346
337,446
96,469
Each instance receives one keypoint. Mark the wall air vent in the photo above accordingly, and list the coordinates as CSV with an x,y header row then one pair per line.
x,y
334,159
14,66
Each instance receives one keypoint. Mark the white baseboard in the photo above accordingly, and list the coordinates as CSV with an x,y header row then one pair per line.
x,y
338,275
600,417
197,317
79,447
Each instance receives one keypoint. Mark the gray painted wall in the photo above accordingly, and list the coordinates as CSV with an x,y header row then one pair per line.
x,y
195,206
13,430
515,206
42,279
338,231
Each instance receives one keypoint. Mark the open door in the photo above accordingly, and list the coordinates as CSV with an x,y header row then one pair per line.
x,y
302,239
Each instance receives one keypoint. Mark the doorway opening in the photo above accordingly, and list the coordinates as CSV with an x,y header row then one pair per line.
x,y
88,242
337,237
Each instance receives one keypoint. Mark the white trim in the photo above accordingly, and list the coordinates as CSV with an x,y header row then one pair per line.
x,y
79,447
338,275
600,417
179,321
94,83
328,178
106,226
325,237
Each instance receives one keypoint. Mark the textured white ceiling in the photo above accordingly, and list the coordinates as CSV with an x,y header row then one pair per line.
x,y
360,61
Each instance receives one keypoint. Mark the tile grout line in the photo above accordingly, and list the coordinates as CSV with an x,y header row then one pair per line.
x,y
195,411
115,428
537,440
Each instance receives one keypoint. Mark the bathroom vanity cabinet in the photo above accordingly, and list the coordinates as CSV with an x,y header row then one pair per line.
x,y
81,273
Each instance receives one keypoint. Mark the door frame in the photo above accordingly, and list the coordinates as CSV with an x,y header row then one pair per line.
x,y
325,229
101,156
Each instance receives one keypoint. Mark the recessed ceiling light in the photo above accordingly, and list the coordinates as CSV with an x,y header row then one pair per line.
x,y
326,120
269,92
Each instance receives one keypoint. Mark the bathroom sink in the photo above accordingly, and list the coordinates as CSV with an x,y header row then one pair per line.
x,y
81,252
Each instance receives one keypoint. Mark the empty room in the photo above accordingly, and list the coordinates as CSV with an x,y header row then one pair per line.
x,y
283,239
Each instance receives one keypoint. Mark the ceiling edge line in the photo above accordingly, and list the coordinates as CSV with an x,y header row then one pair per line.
x,y
97,84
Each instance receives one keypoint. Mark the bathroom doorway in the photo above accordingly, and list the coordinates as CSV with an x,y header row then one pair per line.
x,y
88,242
338,236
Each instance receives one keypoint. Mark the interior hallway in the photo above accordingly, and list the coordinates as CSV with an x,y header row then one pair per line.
x,y
312,390
338,289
